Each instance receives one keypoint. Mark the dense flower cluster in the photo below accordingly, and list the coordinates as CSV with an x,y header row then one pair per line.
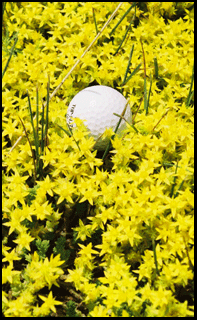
x,y
141,200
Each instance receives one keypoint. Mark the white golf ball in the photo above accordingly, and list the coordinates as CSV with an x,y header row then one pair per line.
x,y
96,106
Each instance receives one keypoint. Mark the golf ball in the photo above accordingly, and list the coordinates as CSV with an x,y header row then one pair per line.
x,y
96,105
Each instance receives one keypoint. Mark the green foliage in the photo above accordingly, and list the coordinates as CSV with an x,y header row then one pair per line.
x,y
32,194
42,247
60,249
71,309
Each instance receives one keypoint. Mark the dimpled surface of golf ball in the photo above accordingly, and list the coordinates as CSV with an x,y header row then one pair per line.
x,y
96,105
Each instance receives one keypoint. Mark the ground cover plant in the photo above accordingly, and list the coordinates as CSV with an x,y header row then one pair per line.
x,y
88,233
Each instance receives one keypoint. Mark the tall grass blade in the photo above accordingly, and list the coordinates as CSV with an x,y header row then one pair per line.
x,y
10,56
155,256
191,93
3,9
32,151
174,183
133,118
179,188
42,130
37,130
149,95
145,86
132,125
121,117
106,150
156,68
145,96
132,74
37,111
32,123
133,4
94,17
123,39
47,112
128,65
41,142
118,124
160,119
70,134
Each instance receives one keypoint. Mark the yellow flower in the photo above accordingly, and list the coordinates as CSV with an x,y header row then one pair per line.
x,y
125,314
8,274
42,210
82,230
87,251
77,276
146,268
18,308
11,256
23,240
146,169
65,190
14,222
107,214
16,179
99,311
164,176
49,302
88,190
49,157
175,205
47,185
